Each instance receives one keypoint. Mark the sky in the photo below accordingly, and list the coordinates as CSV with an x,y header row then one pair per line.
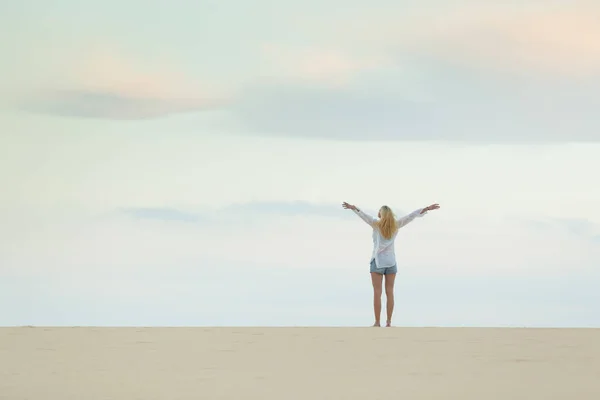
x,y
183,163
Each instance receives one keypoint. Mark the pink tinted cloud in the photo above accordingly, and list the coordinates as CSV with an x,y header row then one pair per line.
x,y
110,71
107,84
552,41
524,37
329,66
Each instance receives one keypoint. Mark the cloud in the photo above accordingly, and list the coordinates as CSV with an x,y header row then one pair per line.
x,y
461,107
490,73
162,214
313,65
545,39
468,72
105,84
288,209
111,105
234,211
527,37
577,227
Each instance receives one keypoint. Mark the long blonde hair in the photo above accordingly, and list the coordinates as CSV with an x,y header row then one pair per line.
x,y
387,222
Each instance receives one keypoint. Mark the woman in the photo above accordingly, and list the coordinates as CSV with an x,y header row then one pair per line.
x,y
383,258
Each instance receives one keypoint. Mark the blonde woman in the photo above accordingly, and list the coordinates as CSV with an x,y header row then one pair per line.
x,y
383,258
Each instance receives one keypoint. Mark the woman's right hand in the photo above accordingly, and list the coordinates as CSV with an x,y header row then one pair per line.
x,y
348,206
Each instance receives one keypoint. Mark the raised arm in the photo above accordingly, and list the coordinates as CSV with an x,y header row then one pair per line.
x,y
363,215
402,221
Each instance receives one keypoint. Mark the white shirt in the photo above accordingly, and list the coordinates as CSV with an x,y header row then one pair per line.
x,y
383,249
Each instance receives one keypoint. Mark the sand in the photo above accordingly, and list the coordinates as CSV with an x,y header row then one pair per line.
x,y
298,363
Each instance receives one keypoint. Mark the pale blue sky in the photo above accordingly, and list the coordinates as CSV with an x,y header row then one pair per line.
x,y
184,162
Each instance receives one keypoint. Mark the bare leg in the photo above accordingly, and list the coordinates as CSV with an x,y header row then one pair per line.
x,y
377,280
389,294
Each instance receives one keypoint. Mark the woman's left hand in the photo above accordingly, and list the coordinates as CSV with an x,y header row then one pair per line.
x,y
432,207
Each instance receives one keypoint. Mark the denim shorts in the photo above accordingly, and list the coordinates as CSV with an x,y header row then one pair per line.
x,y
384,271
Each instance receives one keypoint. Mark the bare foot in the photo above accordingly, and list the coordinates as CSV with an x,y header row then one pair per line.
x,y
388,324
376,325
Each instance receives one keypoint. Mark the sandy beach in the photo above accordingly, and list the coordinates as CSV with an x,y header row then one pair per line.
x,y
83,363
